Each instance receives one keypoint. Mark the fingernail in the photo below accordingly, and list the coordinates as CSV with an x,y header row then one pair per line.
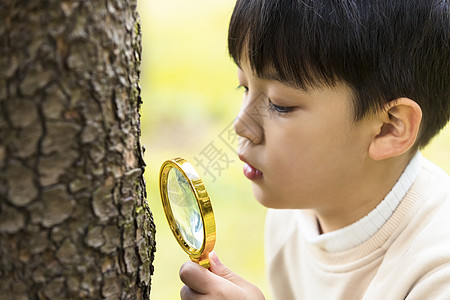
x,y
214,258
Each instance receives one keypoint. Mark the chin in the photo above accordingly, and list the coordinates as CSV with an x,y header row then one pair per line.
x,y
275,201
266,200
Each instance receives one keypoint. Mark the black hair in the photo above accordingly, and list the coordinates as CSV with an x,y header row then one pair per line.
x,y
382,49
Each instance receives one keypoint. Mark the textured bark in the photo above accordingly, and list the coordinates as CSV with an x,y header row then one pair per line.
x,y
74,222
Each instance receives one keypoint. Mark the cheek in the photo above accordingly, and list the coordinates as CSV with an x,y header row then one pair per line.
x,y
290,163
299,145
303,158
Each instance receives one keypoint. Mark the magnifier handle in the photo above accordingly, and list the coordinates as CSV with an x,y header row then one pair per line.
x,y
202,262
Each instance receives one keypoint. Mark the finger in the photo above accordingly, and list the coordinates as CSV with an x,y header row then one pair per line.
x,y
222,271
205,282
186,293
196,277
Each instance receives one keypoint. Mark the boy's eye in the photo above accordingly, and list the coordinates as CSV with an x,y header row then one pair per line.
x,y
243,87
280,109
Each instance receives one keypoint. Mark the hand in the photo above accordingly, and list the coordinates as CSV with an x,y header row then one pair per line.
x,y
218,283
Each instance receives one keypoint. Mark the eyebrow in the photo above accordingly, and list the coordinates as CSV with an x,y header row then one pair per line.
x,y
269,76
272,76
275,77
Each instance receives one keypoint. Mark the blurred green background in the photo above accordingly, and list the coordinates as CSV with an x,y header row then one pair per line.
x,y
190,99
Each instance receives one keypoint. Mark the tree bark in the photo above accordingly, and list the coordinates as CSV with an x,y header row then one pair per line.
x,y
74,221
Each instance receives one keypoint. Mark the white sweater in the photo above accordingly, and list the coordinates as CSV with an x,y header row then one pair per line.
x,y
406,257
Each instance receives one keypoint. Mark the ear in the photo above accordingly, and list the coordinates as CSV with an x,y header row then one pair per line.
x,y
400,122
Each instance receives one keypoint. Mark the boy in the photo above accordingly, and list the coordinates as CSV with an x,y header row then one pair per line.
x,y
339,97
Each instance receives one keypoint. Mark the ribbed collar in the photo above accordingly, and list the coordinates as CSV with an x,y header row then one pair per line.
x,y
362,230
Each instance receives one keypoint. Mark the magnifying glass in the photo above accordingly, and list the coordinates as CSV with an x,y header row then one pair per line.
x,y
188,209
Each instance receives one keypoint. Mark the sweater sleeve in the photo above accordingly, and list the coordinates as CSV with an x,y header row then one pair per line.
x,y
435,285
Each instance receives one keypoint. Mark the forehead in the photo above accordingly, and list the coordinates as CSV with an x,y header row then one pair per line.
x,y
269,73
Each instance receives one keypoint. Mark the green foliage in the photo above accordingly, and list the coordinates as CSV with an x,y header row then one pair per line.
x,y
189,97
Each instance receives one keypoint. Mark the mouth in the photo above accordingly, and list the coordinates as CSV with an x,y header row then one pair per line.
x,y
250,171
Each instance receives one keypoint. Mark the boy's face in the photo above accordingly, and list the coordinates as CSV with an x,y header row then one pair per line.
x,y
303,148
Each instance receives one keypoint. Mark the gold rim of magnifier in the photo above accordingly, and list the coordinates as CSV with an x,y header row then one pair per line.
x,y
209,227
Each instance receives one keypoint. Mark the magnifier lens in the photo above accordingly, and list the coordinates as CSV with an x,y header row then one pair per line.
x,y
188,209
185,209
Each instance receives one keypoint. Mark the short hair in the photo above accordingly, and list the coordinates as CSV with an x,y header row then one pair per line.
x,y
382,49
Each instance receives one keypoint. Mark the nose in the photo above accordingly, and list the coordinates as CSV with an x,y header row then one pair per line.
x,y
248,124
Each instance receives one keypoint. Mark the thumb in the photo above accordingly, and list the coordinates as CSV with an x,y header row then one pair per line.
x,y
250,290
221,270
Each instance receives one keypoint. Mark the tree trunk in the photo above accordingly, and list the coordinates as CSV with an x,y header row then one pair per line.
x,y
74,221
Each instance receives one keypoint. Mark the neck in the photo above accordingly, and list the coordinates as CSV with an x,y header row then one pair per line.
x,y
365,195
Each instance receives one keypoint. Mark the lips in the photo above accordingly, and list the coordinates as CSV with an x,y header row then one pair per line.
x,y
250,171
